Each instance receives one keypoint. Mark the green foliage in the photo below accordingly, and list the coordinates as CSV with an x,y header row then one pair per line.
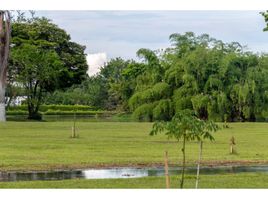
x,y
37,71
219,81
163,110
265,15
186,127
91,92
59,110
79,112
185,124
44,108
144,112
41,32
17,112
158,91
43,59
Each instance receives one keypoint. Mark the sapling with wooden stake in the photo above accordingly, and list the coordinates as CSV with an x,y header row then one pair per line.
x,y
185,126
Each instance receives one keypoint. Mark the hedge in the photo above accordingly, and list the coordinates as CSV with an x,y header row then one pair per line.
x,y
45,108
58,112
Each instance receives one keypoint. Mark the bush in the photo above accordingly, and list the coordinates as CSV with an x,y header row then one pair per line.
x,y
45,108
17,112
144,112
59,112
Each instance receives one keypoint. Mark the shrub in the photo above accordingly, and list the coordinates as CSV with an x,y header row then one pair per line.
x,y
45,108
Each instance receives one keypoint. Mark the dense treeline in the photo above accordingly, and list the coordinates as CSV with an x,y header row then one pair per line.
x,y
217,80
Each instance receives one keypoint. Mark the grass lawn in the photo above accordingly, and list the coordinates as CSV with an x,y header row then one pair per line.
x,y
256,180
47,145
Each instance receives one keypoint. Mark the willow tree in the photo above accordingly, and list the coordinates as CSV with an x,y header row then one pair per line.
x,y
151,99
5,34
219,81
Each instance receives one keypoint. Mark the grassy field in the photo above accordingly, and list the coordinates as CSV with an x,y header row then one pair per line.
x,y
47,145
255,180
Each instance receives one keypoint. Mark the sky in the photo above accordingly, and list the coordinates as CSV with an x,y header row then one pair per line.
x,y
110,34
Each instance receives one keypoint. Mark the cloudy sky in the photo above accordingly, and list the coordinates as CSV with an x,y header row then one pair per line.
x,y
109,34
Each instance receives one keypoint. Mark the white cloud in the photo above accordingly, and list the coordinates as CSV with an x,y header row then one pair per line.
x,y
95,62
122,33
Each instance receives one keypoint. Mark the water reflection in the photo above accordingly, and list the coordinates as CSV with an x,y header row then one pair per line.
x,y
122,173
32,176
116,173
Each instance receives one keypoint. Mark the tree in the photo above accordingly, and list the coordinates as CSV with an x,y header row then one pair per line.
x,y
37,71
40,36
219,81
151,98
113,77
186,127
5,34
265,15
43,33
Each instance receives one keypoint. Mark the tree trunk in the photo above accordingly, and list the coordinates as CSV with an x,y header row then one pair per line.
x,y
33,113
198,165
2,103
5,34
34,101
183,162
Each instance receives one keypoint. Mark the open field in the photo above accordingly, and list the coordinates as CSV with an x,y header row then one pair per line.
x,y
254,180
28,146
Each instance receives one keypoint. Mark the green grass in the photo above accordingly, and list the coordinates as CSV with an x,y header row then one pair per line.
x,y
47,145
256,180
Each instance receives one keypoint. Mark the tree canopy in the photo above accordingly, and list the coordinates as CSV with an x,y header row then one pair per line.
x,y
43,59
217,80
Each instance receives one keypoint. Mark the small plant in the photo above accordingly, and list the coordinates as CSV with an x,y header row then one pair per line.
x,y
184,126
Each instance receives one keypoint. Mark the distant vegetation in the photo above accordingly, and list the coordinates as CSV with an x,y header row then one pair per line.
x,y
218,81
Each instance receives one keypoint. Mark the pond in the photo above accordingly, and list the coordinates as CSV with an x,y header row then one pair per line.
x,y
122,173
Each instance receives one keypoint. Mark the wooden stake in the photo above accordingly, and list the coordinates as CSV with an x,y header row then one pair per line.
x,y
232,143
166,170
74,134
198,165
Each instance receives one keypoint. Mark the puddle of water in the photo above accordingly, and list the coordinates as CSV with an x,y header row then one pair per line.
x,y
115,173
121,173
